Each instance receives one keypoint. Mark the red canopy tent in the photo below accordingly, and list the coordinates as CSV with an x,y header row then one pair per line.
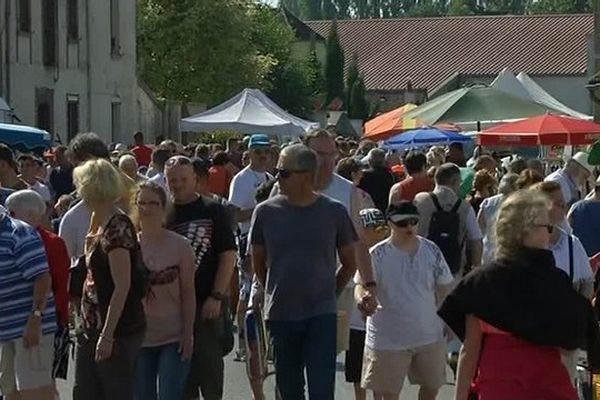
x,y
548,129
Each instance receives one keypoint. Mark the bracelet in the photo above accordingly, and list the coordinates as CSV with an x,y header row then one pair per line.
x,y
107,338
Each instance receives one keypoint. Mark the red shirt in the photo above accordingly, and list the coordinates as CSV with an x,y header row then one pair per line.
x,y
411,186
58,263
143,155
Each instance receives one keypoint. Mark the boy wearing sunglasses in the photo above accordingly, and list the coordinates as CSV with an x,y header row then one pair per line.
x,y
375,229
405,337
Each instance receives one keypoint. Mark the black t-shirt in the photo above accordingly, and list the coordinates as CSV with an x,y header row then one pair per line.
x,y
378,182
61,181
205,223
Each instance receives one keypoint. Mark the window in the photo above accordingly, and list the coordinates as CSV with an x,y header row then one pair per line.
x,y
49,37
115,45
115,114
72,116
24,11
72,20
44,109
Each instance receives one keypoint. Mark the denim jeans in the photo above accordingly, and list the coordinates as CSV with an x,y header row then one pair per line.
x,y
304,344
162,362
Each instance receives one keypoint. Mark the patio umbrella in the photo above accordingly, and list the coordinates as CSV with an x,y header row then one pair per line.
x,y
423,137
547,129
24,138
475,105
390,123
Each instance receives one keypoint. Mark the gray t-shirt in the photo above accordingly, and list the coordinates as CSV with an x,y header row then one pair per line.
x,y
301,245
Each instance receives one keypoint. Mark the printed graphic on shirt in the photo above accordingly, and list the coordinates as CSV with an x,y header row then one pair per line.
x,y
199,233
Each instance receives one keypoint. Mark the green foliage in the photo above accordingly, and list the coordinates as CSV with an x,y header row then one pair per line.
x,y
351,76
198,50
315,69
559,6
462,7
334,65
291,87
359,107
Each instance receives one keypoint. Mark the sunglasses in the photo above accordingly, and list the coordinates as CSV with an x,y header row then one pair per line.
x,y
406,222
178,160
548,227
286,173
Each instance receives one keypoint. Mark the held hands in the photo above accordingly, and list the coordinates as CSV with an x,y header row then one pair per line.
x,y
368,304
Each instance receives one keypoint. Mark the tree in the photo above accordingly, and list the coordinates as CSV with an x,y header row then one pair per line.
x,y
334,65
199,50
359,107
315,69
329,10
352,76
425,8
461,7
558,6
312,10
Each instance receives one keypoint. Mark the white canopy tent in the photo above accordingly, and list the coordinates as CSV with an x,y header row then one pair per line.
x,y
251,111
525,87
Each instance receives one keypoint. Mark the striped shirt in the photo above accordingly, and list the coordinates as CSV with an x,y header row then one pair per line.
x,y
22,260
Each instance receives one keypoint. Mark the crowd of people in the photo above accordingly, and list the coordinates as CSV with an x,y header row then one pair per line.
x,y
146,259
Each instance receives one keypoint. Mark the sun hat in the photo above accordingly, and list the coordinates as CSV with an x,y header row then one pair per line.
x,y
581,158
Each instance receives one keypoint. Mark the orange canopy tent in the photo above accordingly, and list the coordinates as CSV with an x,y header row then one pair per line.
x,y
390,123
393,122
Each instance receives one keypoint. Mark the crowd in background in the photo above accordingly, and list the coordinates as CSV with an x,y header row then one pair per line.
x,y
144,257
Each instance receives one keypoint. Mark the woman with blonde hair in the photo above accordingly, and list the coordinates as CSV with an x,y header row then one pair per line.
x,y
170,306
111,303
515,315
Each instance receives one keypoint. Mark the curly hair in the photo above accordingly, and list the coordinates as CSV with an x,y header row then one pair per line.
x,y
516,217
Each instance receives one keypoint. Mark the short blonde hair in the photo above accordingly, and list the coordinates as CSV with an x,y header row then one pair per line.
x,y
516,217
98,181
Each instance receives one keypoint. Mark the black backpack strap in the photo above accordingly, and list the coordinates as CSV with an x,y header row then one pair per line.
x,y
571,267
436,202
456,206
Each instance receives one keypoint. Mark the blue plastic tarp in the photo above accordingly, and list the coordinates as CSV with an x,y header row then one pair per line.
x,y
426,136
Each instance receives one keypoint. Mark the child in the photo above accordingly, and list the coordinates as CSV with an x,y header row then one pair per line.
x,y
375,230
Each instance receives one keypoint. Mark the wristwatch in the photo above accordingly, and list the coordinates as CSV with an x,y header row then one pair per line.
x,y
37,313
218,296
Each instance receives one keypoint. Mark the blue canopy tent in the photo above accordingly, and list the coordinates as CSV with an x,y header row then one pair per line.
x,y
24,138
426,136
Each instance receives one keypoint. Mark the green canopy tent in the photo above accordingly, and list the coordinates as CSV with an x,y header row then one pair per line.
x,y
471,107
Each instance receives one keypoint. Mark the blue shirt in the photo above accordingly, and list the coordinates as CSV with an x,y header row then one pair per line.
x,y
585,221
22,260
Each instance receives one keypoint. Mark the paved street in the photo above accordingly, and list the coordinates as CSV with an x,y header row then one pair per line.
x,y
237,388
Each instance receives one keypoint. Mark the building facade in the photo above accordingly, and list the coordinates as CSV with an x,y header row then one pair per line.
x,y
69,66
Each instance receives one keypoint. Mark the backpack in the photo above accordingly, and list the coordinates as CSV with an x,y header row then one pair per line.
x,y
444,230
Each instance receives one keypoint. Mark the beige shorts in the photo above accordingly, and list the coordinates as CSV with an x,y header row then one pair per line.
x,y
26,369
385,370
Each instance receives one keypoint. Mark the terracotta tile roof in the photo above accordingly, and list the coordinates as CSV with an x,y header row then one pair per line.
x,y
428,51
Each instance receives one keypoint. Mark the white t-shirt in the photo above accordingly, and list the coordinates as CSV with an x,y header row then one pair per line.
x,y
567,186
489,209
406,289
42,190
243,189
73,228
582,271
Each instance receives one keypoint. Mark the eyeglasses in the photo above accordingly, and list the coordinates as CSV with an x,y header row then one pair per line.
x,y
406,222
178,160
549,227
286,173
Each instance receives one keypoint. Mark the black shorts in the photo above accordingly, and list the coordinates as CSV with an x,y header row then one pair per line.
x,y
354,356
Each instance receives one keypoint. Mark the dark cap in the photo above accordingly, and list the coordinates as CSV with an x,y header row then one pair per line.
x,y
402,210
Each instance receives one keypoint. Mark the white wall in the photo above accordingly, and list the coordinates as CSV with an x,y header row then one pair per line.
x,y
85,68
569,90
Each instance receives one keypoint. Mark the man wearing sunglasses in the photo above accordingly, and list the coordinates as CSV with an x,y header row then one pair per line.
x,y
294,239
405,337
242,195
